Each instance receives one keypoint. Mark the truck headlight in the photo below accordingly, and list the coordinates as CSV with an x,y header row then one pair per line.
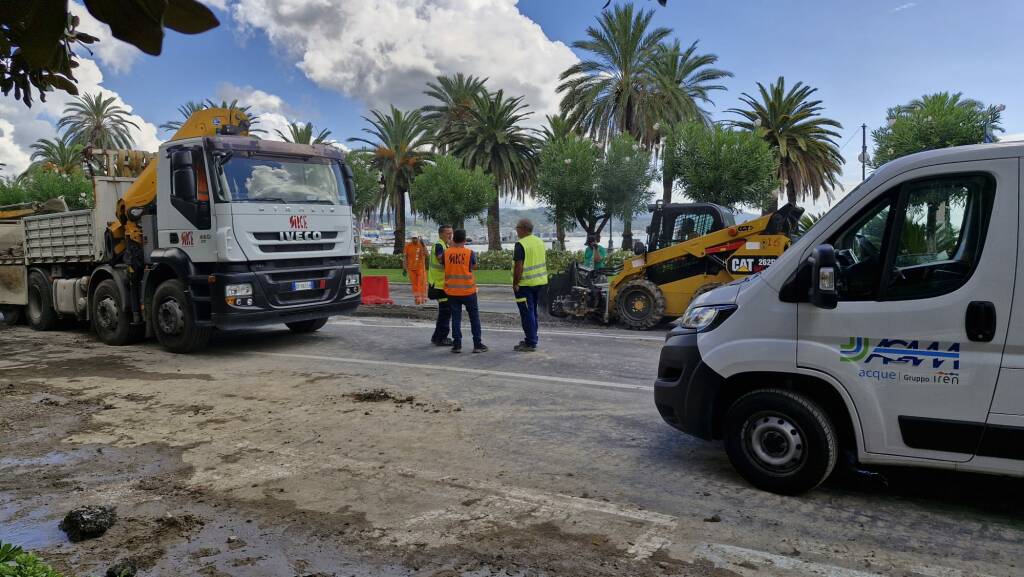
x,y
704,318
352,280
238,290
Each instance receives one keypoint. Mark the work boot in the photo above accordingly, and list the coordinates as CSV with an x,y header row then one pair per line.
x,y
480,348
524,348
457,348
445,342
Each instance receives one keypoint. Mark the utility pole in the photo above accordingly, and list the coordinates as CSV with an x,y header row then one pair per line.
x,y
863,151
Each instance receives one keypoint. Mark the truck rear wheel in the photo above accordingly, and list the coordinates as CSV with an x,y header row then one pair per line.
x,y
111,320
173,321
640,304
310,326
12,315
41,316
780,441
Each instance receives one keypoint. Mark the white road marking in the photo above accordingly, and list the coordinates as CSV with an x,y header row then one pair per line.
x,y
466,370
497,330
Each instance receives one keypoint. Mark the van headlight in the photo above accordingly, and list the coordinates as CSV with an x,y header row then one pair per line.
x,y
704,318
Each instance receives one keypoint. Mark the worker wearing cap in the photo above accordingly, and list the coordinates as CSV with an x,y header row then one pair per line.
x,y
529,279
460,286
435,276
414,263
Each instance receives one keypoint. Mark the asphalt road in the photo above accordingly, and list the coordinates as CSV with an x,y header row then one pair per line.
x,y
564,443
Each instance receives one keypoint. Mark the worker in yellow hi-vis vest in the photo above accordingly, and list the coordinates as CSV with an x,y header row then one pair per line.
x,y
435,290
529,280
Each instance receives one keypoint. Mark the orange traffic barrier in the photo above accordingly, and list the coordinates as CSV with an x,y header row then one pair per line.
x,y
376,291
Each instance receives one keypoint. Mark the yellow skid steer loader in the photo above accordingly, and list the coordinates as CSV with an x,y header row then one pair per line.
x,y
691,248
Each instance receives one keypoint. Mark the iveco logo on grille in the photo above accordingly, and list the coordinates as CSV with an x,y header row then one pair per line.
x,y
301,235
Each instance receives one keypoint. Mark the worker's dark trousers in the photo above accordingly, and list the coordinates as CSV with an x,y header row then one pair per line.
x,y
527,299
444,318
470,302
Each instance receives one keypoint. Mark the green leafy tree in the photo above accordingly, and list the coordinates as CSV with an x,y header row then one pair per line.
x,y
60,154
446,192
454,96
803,139
42,185
399,142
38,37
933,121
567,183
493,139
728,167
366,178
606,93
304,134
624,181
97,121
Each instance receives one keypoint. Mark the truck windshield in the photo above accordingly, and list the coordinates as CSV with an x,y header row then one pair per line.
x,y
282,180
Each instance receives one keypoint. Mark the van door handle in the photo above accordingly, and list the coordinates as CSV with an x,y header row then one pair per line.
x,y
981,321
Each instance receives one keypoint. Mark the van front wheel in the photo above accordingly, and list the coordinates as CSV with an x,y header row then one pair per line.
x,y
780,441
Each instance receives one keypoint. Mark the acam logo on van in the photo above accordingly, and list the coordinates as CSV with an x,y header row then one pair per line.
x,y
935,362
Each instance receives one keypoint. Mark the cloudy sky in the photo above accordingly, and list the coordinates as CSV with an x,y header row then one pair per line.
x,y
330,61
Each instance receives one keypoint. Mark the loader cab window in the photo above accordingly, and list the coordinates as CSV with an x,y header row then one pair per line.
x,y
683,223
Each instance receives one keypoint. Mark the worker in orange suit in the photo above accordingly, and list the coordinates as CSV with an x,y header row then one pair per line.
x,y
414,265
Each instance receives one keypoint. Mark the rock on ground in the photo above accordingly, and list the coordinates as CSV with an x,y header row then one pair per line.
x,y
88,522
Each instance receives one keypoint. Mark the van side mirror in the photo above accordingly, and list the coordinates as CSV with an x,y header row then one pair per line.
x,y
824,272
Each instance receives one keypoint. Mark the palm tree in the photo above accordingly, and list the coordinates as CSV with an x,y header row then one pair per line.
x,y
303,134
608,94
61,155
399,142
92,120
493,140
189,108
680,81
809,160
455,96
558,126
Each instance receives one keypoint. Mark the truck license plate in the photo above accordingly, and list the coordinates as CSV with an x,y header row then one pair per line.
x,y
302,285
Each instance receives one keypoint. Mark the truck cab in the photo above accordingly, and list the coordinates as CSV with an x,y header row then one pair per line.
x,y
887,331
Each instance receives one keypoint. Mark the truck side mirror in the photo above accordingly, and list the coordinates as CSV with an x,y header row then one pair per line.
x,y
183,175
824,270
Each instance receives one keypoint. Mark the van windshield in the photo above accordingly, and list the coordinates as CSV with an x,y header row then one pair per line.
x,y
281,180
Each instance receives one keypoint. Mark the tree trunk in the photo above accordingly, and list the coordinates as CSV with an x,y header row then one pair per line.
x,y
560,233
459,224
790,194
494,225
666,186
627,233
399,205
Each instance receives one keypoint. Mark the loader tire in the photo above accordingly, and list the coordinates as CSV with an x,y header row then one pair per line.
x,y
640,304
173,322
558,285
41,316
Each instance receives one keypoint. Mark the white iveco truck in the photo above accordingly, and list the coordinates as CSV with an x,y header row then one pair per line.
x,y
894,330
218,230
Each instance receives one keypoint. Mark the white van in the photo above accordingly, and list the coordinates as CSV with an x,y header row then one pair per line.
x,y
893,329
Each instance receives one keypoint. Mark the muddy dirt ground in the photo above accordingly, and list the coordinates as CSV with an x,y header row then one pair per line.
x,y
352,452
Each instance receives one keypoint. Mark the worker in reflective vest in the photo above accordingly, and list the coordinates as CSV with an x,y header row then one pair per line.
x,y
460,286
529,280
435,290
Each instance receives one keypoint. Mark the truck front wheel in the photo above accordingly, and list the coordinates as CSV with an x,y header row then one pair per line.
x,y
780,441
110,318
41,316
173,321
310,326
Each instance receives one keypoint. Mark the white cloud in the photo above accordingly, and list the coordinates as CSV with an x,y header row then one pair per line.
x,y
274,113
903,7
1017,137
22,125
385,51
116,55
